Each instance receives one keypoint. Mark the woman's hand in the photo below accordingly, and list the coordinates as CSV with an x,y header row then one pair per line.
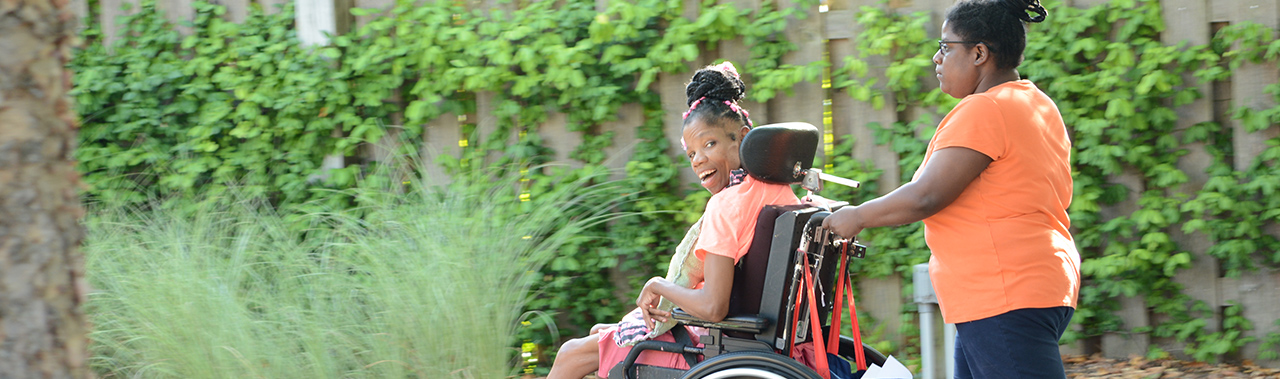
x,y
648,301
845,222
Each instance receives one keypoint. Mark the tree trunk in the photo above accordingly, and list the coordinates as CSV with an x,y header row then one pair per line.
x,y
42,326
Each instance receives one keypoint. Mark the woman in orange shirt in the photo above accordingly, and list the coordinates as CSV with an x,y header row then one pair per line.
x,y
993,192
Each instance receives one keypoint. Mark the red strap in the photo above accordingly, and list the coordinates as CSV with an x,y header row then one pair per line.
x,y
833,334
858,355
819,354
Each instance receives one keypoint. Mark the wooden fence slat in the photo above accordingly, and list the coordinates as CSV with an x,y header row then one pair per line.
x,y
851,117
736,51
560,139
81,9
1257,293
1249,83
237,10
670,88
1221,10
313,20
630,117
839,23
108,12
440,137
1258,290
1133,310
180,13
1192,18
805,104
384,5
272,6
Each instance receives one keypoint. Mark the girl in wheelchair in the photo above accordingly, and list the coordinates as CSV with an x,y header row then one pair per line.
x,y
714,126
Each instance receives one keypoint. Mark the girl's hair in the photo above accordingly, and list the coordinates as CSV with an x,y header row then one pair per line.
x,y
999,24
713,95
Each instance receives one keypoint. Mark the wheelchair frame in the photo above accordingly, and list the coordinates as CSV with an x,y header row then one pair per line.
x,y
752,342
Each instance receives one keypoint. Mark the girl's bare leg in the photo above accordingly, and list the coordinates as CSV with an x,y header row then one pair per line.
x,y
577,358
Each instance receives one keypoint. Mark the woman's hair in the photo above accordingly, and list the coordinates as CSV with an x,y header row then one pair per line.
x,y
713,95
999,24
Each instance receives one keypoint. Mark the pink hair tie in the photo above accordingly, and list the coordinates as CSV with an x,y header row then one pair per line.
x,y
733,106
728,67
692,107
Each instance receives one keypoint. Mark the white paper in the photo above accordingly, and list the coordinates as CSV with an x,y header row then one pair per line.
x,y
892,370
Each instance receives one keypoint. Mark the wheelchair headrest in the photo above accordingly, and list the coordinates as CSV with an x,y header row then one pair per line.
x,y
779,153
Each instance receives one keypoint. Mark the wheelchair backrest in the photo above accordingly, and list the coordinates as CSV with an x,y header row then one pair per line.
x,y
762,282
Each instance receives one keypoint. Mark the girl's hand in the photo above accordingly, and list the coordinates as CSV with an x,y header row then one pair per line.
x,y
598,327
648,302
844,223
814,200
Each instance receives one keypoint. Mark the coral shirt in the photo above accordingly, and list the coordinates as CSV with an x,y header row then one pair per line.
x,y
730,219
1004,243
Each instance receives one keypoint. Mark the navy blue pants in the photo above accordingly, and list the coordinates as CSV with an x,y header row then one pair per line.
x,y
1019,344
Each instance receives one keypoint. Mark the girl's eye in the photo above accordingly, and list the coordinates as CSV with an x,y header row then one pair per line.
x,y
711,143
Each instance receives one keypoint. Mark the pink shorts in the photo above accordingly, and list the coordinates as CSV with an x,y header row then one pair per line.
x,y
611,354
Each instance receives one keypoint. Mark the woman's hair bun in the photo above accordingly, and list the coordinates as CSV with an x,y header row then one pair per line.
x,y
1020,8
716,82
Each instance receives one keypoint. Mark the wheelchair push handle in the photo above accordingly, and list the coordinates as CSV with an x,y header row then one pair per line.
x,y
822,237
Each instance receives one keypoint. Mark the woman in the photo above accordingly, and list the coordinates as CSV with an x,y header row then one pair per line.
x,y
993,192
714,126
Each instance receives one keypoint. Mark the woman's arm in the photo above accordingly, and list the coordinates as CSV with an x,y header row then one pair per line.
x,y
946,175
711,302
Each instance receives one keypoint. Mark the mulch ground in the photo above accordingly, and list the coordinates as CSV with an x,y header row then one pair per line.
x,y
1080,367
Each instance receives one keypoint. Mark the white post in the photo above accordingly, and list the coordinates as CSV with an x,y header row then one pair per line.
x,y
926,300
315,20
926,341
949,348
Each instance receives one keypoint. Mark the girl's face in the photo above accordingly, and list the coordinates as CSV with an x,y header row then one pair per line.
x,y
954,65
712,152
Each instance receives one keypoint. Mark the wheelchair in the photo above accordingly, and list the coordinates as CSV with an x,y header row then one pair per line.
x,y
766,316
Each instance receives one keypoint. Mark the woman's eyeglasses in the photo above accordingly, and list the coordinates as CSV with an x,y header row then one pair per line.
x,y
942,44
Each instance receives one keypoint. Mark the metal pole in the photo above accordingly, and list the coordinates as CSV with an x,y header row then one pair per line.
x,y
925,300
949,348
926,341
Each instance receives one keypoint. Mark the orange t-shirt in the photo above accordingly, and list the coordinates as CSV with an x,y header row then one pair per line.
x,y
730,219
1004,243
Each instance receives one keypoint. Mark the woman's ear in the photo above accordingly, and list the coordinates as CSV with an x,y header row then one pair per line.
x,y
981,54
742,132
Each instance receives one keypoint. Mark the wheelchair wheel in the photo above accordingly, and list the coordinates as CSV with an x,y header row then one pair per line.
x,y
750,365
847,346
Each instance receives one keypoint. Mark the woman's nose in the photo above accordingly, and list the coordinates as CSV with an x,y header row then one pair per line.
x,y
937,57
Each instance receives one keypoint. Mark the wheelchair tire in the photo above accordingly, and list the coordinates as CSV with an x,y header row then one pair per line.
x,y
847,346
750,365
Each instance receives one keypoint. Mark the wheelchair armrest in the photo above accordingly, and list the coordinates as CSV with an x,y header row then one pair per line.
x,y
753,324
